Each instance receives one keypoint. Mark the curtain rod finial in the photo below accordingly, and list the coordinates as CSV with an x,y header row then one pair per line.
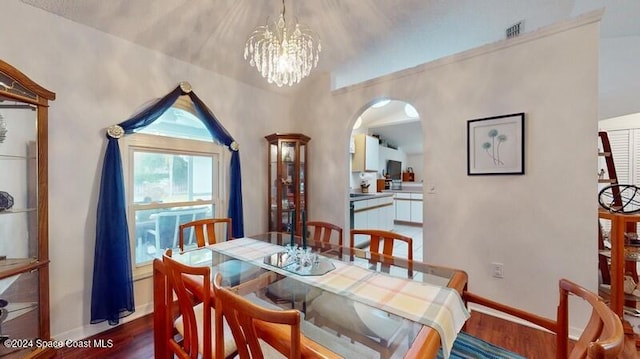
x,y
185,86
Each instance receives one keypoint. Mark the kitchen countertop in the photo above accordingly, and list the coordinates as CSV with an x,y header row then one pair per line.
x,y
404,190
364,196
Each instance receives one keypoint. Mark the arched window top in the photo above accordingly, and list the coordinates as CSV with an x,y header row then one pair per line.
x,y
180,120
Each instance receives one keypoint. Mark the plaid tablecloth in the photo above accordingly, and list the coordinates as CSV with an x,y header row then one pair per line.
x,y
438,307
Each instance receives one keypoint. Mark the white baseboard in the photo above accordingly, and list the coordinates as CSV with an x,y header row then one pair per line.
x,y
574,333
93,329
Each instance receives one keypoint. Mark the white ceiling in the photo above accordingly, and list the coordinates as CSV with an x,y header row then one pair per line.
x,y
212,33
394,126
361,39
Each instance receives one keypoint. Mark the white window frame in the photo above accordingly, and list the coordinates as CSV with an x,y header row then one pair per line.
x,y
173,145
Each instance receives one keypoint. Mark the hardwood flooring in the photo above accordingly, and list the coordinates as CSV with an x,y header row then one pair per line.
x,y
134,340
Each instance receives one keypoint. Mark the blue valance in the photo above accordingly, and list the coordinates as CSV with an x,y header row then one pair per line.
x,y
112,291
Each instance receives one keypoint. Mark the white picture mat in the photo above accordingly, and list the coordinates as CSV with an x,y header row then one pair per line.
x,y
496,145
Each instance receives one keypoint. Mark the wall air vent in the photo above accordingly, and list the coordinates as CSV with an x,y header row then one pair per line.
x,y
515,29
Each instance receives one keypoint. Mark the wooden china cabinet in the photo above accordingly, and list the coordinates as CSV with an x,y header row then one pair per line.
x,y
287,180
24,257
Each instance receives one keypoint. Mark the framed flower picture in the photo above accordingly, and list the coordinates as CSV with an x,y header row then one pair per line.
x,y
495,145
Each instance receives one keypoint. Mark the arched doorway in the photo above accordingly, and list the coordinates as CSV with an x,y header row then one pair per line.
x,y
394,128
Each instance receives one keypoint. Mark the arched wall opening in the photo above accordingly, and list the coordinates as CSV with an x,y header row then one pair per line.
x,y
393,126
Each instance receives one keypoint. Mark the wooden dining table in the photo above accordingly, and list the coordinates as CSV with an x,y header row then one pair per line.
x,y
356,303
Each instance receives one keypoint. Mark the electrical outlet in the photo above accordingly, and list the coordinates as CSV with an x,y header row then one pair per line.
x,y
497,270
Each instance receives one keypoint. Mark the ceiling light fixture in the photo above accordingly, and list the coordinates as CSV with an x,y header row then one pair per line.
x,y
381,103
410,111
283,56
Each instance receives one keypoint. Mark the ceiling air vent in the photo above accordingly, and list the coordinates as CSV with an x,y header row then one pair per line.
x,y
514,30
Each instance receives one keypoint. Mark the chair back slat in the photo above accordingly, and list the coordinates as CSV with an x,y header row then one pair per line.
x,y
211,233
204,230
250,322
387,239
324,231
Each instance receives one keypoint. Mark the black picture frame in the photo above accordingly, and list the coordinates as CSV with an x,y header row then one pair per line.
x,y
495,145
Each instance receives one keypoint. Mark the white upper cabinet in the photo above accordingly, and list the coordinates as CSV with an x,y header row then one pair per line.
x,y
365,157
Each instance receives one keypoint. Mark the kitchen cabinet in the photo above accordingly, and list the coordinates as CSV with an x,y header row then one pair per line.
x,y
402,203
287,180
373,213
416,207
408,207
365,156
24,255
360,218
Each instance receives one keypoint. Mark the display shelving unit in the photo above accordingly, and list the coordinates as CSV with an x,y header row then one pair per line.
x,y
24,249
287,164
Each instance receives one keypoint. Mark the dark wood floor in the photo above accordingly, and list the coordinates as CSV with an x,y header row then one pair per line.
x,y
134,340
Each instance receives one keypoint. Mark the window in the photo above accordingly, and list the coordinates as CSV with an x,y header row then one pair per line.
x,y
174,174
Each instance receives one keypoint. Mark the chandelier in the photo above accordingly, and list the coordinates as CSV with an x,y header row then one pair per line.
x,y
282,55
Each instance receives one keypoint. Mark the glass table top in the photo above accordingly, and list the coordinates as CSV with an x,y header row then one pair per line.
x,y
347,326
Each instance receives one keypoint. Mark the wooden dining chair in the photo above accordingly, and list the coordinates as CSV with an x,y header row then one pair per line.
x,y
325,232
194,323
203,230
385,238
381,247
603,336
271,339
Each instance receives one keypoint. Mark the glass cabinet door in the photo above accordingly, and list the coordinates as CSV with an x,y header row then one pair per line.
x,y
18,183
287,196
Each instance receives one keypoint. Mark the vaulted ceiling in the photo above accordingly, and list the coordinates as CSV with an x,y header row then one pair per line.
x,y
361,39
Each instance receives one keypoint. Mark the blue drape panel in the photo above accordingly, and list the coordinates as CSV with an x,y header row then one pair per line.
x,y
112,290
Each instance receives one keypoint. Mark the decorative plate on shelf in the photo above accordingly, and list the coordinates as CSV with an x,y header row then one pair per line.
x,y
6,201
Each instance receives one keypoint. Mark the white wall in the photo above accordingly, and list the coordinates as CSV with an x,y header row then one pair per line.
x,y
416,161
541,225
100,80
386,153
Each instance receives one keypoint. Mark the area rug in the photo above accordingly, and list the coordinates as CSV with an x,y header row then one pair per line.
x,y
468,347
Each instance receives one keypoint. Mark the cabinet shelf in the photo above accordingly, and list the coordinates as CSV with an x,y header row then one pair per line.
x,y
16,157
604,291
635,257
17,210
12,266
